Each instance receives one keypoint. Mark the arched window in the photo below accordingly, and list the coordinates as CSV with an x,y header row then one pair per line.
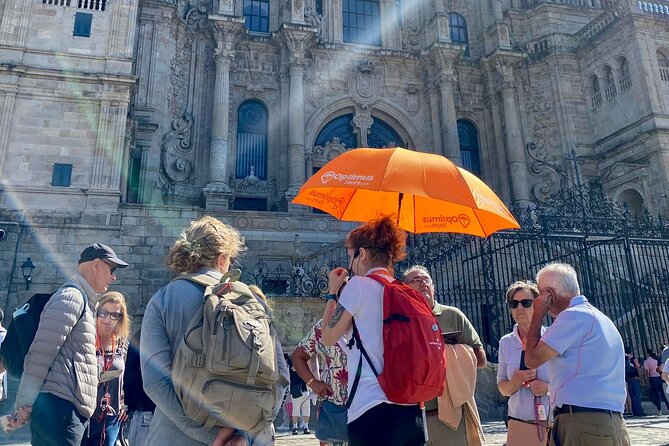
x,y
663,62
383,135
251,140
595,93
610,88
458,26
341,128
256,13
469,146
634,201
362,21
625,82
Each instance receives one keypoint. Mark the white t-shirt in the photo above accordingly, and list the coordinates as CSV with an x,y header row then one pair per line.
x,y
363,298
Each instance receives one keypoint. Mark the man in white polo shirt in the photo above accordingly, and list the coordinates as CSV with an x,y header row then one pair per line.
x,y
584,353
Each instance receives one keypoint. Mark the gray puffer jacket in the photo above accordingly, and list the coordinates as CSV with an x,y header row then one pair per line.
x,y
61,360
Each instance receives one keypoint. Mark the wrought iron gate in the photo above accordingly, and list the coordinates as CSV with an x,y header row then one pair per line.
x,y
622,262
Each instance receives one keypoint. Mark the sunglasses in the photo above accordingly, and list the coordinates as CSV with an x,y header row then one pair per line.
x,y
112,267
114,315
526,303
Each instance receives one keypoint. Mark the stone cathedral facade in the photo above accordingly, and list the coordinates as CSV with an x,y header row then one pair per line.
x,y
121,120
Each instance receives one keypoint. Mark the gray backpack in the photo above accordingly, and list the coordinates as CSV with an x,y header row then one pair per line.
x,y
225,369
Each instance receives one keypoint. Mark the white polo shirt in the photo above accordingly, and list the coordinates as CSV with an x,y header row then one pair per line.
x,y
589,370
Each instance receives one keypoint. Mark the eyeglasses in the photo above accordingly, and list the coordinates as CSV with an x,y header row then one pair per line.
x,y
420,280
526,303
114,315
112,267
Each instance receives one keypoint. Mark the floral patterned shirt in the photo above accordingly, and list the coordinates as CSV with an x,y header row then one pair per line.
x,y
331,362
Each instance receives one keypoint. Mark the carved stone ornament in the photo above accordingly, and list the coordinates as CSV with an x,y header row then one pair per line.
x,y
176,165
362,124
412,98
252,185
196,16
322,154
364,83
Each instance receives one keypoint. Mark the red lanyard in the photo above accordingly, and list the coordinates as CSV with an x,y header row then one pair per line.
x,y
106,362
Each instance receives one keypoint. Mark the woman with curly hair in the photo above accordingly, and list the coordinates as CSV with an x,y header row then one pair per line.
x,y
112,326
207,246
372,418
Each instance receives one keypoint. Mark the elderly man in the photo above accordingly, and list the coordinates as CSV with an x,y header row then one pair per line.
x,y
59,383
585,358
450,319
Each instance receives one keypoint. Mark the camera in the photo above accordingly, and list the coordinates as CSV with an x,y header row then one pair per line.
x,y
103,404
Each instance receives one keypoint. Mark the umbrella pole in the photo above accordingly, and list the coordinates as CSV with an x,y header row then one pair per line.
x,y
399,206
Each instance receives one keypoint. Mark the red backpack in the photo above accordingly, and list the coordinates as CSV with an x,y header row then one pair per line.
x,y
414,366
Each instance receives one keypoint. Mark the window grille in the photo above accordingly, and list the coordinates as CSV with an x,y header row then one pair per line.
x,y
256,13
62,175
469,146
596,98
252,119
664,66
82,24
341,128
362,21
625,82
458,26
610,89
383,135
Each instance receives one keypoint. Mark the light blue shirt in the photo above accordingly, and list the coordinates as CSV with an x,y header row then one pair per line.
x,y
589,370
521,403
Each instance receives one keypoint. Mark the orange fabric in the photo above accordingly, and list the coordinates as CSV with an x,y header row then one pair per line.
x,y
430,192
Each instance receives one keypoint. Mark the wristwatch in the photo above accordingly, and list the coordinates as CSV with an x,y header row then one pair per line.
x,y
329,296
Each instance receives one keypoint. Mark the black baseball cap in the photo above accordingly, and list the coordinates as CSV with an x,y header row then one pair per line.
x,y
103,252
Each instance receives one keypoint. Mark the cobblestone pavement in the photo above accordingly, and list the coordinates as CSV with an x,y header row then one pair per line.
x,y
643,431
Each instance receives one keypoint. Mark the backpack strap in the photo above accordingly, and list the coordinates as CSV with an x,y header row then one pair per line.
x,y
358,373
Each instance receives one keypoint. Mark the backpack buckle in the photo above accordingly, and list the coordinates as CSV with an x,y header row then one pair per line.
x,y
198,361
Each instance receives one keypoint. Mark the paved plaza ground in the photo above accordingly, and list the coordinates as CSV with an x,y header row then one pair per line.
x,y
644,431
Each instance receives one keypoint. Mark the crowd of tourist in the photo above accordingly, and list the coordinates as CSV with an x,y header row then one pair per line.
x,y
207,343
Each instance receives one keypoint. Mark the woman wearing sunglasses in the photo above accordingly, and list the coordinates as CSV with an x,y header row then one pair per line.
x,y
527,389
111,346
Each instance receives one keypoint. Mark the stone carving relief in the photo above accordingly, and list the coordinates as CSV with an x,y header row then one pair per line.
x,y
312,18
252,185
540,116
176,165
320,155
364,83
177,154
362,124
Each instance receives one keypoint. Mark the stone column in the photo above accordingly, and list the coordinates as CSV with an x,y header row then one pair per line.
x,y
296,39
218,192
449,120
445,57
5,122
101,146
296,155
515,149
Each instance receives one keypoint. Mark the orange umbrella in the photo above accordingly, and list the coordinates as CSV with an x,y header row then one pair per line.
x,y
427,192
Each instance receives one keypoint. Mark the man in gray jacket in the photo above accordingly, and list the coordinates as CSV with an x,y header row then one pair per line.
x,y
59,384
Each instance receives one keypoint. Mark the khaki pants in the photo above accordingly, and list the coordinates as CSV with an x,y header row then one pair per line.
x,y
442,435
589,429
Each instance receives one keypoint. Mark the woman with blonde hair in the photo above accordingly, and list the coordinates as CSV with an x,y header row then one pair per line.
x,y
207,246
527,389
111,346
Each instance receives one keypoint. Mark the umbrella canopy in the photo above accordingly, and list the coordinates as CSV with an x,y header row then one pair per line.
x,y
427,192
